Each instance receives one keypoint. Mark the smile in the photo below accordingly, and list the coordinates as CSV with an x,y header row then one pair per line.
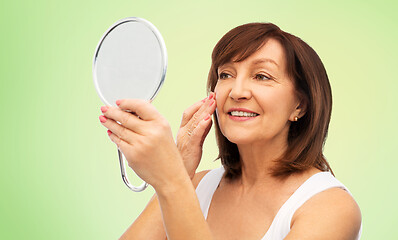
x,y
242,114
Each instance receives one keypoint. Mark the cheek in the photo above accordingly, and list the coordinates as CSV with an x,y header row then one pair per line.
x,y
216,89
220,95
278,103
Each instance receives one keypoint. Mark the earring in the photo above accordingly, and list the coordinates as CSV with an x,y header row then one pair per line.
x,y
295,118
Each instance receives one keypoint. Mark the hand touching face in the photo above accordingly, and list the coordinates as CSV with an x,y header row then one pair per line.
x,y
195,125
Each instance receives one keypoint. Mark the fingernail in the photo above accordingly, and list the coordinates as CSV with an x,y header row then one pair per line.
x,y
118,102
102,118
211,104
207,117
109,132
104,109
211,96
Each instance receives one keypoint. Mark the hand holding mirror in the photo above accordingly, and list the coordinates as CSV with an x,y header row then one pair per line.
x,y
130,62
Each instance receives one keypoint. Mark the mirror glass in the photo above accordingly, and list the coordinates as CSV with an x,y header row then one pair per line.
x,y
130,61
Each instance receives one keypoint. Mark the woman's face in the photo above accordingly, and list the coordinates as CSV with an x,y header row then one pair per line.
x,y
256,100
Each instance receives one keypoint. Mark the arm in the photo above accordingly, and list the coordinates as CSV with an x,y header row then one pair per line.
x,y
149,225
332,214
182,216
190,138
148,146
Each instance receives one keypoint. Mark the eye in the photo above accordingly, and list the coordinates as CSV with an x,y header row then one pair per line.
x,y
262,77
224,76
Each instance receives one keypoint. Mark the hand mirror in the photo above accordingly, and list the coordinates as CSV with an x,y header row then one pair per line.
x,y
130,62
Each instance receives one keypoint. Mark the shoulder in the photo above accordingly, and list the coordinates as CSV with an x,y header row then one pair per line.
x,y
198,177
331,214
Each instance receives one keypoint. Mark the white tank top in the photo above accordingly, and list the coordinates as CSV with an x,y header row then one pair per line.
x,y
280,226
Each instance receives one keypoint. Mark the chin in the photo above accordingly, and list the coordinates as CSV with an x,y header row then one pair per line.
x,y
240,138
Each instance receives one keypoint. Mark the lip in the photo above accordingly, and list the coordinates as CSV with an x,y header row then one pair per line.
x,y
241,119
241,110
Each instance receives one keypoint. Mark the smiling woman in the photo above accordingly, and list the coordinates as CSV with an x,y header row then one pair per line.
x,y
291,66
272,102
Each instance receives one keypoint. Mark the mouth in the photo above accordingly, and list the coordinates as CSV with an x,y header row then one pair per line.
x,y
242,114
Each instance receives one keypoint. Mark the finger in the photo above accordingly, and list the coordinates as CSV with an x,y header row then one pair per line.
x,y
124,133
204,110
197,107
121,145
189,112
126,119
144,109
207,130
201,131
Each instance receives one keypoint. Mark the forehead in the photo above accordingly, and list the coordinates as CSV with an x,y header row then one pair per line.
x,y
271,50
270,53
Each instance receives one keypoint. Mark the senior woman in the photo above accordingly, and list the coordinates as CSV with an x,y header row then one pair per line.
x,y
271,100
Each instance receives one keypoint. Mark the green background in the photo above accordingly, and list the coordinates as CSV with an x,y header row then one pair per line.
x,y
59,172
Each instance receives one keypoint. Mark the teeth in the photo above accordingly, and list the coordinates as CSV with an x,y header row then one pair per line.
x,y
243,114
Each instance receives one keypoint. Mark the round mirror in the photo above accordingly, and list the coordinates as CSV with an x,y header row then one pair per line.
x,y
130,62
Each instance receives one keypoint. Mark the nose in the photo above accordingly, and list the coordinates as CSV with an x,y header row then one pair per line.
x,y
240,90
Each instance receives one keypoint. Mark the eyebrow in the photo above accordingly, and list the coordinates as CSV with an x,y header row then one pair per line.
x,y
263,60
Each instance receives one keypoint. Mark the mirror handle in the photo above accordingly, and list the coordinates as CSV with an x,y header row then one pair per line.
x,y
124,176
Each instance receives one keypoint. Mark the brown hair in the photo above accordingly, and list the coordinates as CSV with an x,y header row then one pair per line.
x,y
307,136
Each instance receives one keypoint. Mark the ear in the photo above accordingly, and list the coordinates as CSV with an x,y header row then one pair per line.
x,y
300,110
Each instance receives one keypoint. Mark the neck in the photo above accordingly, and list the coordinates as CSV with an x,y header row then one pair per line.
x,y
258,160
